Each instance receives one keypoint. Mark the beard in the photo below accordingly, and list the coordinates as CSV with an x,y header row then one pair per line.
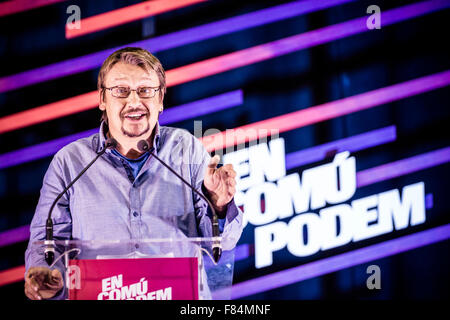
x,y
135,132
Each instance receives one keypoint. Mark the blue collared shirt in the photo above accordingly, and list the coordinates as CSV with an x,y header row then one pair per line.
x,y
109,203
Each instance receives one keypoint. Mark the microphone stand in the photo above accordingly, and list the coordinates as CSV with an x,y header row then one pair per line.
x,y
49,252
143,145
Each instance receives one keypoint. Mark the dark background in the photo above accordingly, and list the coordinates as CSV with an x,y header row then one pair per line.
x,y
349,66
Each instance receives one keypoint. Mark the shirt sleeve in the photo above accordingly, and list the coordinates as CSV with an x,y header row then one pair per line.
x,y
231,226
53,184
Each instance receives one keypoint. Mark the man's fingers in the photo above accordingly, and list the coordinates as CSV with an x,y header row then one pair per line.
x,y
213,164
31,294
228,168
53,285
214,161
231,192
32,283
56,274
31,290
54,281
231,173
56,277
42,283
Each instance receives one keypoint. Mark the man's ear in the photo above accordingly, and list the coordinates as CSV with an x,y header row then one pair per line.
x,y
102,104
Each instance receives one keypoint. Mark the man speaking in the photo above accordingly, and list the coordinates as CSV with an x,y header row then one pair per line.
x,y
127,193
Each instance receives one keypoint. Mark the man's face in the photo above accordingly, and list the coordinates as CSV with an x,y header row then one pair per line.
x,y
131,117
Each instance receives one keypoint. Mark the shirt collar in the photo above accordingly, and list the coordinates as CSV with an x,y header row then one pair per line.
x,y
157,140
104,129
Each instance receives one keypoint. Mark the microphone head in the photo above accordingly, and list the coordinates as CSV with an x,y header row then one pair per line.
x,y
111,143
217,253
49,256
143,145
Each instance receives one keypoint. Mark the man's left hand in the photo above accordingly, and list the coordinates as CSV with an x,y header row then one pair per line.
x,y
220,183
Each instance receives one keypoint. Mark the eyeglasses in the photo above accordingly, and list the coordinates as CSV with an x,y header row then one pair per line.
x,y
124,92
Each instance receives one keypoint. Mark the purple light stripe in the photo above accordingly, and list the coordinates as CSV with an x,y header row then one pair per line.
x,y
39,151
242,251
429,201
178,113
349,28
202,107
169,41
402,167
340,262
352,144
14,235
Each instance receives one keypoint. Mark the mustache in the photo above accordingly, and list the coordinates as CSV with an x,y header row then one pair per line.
x,y
132,110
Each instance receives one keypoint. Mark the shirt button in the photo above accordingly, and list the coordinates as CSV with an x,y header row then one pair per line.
x,y
135,214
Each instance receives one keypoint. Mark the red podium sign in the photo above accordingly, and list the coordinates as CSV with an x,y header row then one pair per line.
x,y
133,279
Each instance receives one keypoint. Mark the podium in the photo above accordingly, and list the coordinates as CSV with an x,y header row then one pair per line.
x,y
144,269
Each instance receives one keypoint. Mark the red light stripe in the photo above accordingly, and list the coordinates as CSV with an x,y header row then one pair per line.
x,y
124,15
12,275
16,6
49,111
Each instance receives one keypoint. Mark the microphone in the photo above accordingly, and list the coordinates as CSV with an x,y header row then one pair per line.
x,y
49,252
144,146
